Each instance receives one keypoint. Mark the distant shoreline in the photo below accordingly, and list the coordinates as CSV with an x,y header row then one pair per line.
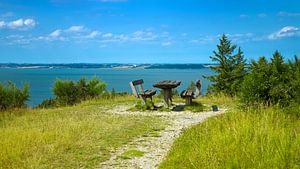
x,y
113,66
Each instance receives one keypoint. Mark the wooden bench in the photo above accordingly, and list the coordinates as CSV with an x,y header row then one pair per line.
x,y
189,95
141,94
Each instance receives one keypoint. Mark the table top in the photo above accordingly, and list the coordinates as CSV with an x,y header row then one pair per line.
x,y
167,84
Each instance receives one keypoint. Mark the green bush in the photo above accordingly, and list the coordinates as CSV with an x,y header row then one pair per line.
x,y
13,97
272,83
48,103
69,92
140,106
66,92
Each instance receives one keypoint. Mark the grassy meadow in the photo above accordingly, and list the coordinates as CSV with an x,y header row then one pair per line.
x,y
262,138
80,136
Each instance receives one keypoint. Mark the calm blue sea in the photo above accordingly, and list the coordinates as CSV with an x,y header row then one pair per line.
x,y
41,80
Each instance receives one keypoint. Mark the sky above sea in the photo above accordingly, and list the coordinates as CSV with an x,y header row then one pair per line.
x,y
144,31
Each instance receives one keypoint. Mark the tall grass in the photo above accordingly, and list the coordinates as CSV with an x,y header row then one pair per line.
x,y
71,137
263,138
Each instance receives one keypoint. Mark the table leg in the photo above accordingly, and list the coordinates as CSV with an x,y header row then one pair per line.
x,y
170,96
167,93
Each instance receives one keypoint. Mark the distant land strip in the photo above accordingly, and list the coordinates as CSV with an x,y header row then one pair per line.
x,y
106,65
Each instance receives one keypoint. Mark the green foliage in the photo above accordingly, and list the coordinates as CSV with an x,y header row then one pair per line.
x,y
295,80
95,88
230,69
132,153
140,106
48,103
113,93
195,107
271,83
68,92
13,97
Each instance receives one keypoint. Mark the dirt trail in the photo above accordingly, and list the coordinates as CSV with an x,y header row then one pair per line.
x,y
155,147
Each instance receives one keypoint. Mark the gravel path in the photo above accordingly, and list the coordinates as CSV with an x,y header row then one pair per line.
x,y
155,147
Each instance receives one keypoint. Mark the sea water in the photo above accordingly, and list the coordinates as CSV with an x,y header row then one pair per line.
x,y
41,80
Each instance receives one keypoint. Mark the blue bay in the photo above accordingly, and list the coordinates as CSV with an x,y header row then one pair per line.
x,y
41,80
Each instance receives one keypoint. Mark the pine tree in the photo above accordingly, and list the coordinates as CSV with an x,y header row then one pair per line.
x,y
230,69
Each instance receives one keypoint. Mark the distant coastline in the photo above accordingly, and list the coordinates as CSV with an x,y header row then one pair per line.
x,y
112,65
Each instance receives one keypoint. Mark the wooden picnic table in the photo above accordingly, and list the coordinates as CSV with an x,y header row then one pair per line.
x,y
167,86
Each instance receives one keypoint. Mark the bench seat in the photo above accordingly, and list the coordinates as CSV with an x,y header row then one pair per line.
x,y
148,93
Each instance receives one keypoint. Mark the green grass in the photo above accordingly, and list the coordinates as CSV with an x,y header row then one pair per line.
x,y
71,137
264,138
196,106
132,153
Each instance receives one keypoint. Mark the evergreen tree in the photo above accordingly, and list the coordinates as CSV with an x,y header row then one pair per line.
x,y
230,69
295,81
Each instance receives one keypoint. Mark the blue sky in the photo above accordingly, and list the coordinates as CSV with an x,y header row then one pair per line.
x,y
144,31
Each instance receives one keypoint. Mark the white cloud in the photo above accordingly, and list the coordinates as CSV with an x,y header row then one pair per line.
x,y
16,24
107,35
76,29
19,24
2,24
93,34
287,31
288,14
203,40
29,22
55,33
143,36
166,43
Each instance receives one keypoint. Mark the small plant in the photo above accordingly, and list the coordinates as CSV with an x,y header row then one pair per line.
x,y
132,153
195,107
144,106
48,103
13,97
66,92
69,92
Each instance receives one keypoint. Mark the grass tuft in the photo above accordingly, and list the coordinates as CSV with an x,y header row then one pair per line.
x,y
132,153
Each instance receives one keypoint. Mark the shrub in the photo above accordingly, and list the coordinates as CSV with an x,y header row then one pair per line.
x,y
13,97
271,83
48,103
66,92
69,92
95,88
140,106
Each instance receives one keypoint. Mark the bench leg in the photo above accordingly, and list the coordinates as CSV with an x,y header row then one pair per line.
x,y
188,100
143,100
